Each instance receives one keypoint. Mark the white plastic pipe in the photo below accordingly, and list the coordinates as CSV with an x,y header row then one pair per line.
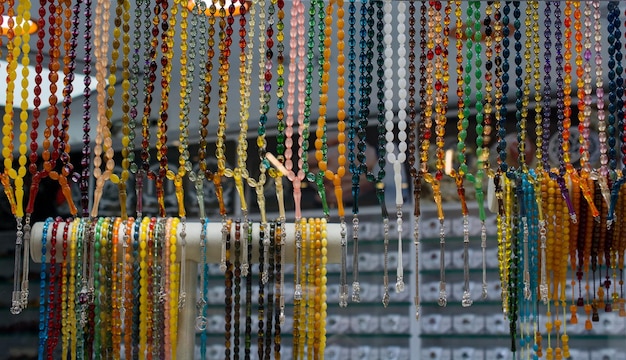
x,y
213,241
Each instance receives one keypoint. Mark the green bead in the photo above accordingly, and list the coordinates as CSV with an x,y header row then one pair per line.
x,y
462,136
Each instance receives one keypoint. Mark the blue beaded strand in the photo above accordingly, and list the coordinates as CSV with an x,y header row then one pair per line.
x,y
43,281
501,121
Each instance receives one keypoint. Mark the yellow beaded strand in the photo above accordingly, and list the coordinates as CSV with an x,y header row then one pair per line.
x,y
174,275
143,290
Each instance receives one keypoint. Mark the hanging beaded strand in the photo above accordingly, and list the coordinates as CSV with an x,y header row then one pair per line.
x,y
619,113
381,150
321,140
488,126
604,172
412,149
427,41
352,121
8,125
33,168
205,75
265,86
296,45
397,160
245,74
482,151
150,44
278,172
501,87
239,172
23,29
542,129
187,73
103,148
360,167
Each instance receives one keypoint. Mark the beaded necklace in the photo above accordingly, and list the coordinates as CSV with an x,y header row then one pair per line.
x,y
116,295
320,144
487,129
472,43
321,140
63,136
396,159
53,298
21,255
360,167
33,168
265,76
168,23
415,175
201,304
127,287
275,173
226,21
237,297
604,171
198,179
248,331
110,100
583,83
482,152
352,116
71,288
389,125
568,167
187,77
245,71
228,294
296,45
43,309
381,150
261,294
269,309
150,43
279,313
103,142
616,103
83,177
7,118
425,134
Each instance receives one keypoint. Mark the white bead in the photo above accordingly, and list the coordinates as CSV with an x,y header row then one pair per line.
x,y
402,157
389,146
391,157
402,136
402,101
387,7
389,126
389,95
389,116
401,81
401,126
389,73
387,29
402,113
401,37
